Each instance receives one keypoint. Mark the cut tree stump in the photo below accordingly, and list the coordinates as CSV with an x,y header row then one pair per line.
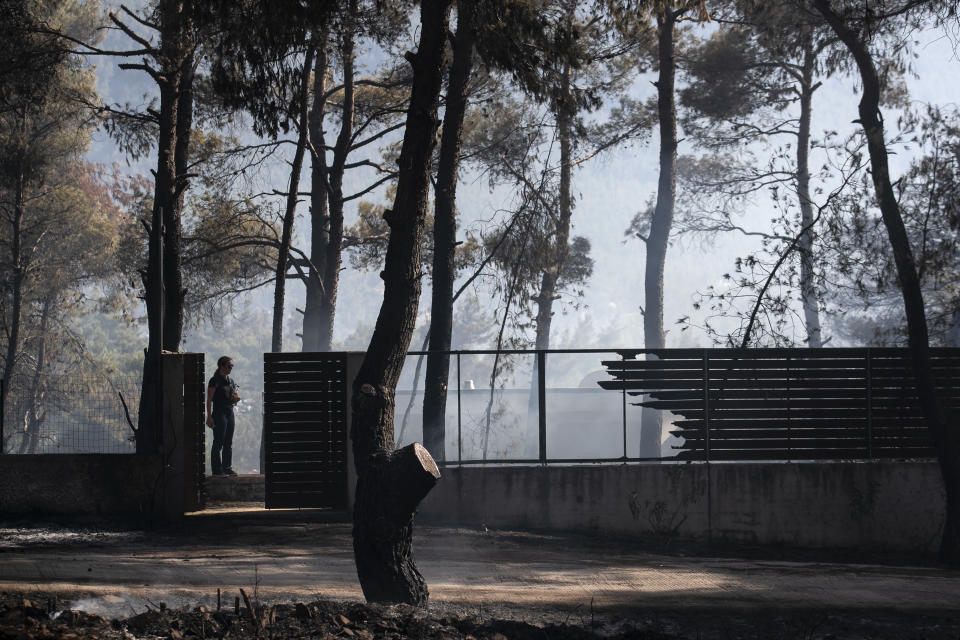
x,y
388,494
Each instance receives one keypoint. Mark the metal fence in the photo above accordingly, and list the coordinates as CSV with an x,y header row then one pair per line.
x,y
547,407
71,414
541,407
789,404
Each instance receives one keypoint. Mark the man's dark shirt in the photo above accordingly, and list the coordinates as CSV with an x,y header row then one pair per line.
x,y
223,390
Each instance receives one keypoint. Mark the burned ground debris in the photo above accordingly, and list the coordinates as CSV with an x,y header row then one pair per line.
x,y
37,616
23,618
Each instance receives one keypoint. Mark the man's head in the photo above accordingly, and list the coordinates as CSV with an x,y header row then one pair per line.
x,y
225,365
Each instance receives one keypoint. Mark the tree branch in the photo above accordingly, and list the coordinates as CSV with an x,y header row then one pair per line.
x,y
133,35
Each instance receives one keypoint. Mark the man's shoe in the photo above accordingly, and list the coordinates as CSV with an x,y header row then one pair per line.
x,y
218,473
229,472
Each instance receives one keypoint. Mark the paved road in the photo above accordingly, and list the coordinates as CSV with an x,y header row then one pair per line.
x,y
302,558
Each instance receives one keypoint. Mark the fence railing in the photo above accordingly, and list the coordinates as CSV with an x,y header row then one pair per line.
x,y
788,404
560,407
70,414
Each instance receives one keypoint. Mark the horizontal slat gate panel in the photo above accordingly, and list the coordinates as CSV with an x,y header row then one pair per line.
x,y
302,356
787,403
633,387
305,439
280,366
306,388
318,441
303,417
736,434
775,403
773,394
294,455
740,455
312,466
329,477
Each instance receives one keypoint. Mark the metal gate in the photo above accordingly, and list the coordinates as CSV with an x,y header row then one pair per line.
x,y
305,430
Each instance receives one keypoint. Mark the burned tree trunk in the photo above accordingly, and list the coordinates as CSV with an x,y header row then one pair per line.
x,y
559,253
333,251
445,237
391,484
35,415
945,439
808,289
19,263
653,336
148,430
327,200
392,487
162,281
317,327
550,280
174,291
283,254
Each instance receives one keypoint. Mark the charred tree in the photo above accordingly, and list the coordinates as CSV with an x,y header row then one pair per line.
x,y
162,282
317,324
333,247
659,236
283,253
18,261
945,439
561,239
808,289
445,236
35,415
174,291
390,484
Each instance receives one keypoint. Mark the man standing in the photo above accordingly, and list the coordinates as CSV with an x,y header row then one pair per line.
x,y
221,397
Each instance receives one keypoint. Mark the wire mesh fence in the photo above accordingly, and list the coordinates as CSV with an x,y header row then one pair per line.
x,y
71,414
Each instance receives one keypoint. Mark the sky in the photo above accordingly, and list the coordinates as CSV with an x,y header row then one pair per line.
x,y
609,191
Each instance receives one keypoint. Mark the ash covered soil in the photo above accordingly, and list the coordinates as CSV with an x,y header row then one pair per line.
x,y
82,613
39,618
21,617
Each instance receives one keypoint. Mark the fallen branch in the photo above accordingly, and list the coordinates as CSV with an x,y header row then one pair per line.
x,y
254,616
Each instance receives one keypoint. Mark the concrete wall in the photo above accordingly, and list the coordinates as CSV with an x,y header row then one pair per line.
x,y
242,488
894,506
74,484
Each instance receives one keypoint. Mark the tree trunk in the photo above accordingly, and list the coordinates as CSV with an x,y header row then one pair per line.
x,y
19,275
283,253
391,484
945,439
318,328
445,237
164,199
561,240
174,291
551,275
35,417
658,240
334,247
327,234
808,290
162,280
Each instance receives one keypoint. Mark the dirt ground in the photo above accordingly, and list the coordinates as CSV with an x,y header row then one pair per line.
x,y
297,571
